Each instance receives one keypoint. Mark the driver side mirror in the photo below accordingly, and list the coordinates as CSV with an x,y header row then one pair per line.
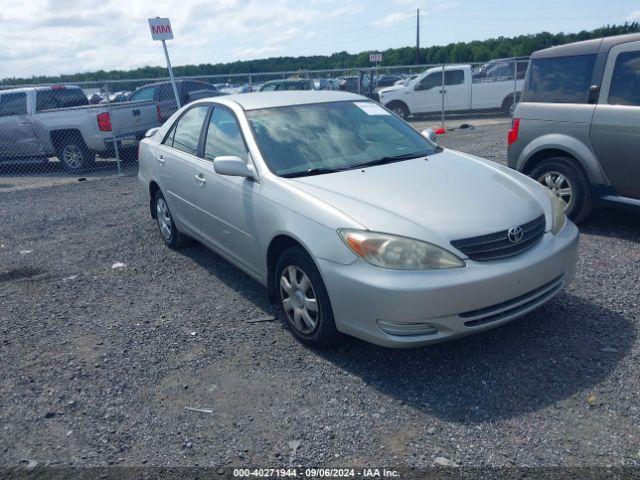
x,y
429,134
233,166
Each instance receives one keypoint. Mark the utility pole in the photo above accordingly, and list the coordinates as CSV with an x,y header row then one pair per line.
x,y
418,36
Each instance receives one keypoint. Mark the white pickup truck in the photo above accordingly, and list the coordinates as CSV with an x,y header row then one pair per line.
x,y
42,122
463,91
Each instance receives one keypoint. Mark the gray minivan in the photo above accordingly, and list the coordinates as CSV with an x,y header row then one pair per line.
x,y
577,128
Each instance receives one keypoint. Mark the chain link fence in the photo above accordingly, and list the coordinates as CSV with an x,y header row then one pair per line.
x,y
93,128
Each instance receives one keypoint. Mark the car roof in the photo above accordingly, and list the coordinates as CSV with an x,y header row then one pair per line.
x,y
586,47
257,100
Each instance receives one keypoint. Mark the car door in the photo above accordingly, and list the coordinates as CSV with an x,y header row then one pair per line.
x,y
175,158
615,127
17,137
426,95
456,90
227,212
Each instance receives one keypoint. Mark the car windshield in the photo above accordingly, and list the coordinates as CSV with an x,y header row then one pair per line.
x,y
326,137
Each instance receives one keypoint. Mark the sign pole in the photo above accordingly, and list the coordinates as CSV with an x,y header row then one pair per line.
x,y
161,30
173,82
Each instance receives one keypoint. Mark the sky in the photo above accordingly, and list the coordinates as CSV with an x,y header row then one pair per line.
x,y
52,37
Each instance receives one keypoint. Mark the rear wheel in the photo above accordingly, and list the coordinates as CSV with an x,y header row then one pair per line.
x,y
399,108
170,234
74,154
304,299
566,180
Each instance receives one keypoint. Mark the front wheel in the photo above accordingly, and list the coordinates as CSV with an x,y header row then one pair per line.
x,y
399,108
304,299
566,180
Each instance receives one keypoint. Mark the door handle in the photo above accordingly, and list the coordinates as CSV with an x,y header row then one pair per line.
x,y
160,159
442,91
24,122
200,180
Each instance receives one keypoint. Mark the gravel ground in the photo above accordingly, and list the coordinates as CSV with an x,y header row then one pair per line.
x,y
102,365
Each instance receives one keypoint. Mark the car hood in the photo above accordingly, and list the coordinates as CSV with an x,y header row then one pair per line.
x,y
443,197
392,88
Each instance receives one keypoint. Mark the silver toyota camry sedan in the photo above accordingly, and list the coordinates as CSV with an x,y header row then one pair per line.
x,y
354,222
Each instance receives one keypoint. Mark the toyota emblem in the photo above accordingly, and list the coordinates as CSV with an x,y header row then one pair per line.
x,y
515,234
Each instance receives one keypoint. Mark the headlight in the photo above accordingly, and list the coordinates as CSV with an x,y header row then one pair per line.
x,y
398,253
557,212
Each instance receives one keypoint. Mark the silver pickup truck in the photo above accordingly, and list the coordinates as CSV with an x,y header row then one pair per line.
x,y
42,122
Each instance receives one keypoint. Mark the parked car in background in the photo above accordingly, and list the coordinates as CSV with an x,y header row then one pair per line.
x,y
387,80
326,84
41,122
502,69
577,129
122,96
353,221
162,94
288,84
424,94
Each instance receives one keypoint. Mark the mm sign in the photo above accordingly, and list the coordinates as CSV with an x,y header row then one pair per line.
x,y
375,57
160,29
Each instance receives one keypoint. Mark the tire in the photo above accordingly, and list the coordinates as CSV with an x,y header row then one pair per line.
x,y
509,106
170,234
316,328
74,155
548,172
399,108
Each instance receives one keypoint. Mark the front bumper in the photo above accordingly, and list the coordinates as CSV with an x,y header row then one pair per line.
x,y
454,302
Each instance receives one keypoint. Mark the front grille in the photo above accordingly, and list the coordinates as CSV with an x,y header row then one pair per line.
x,y
497,245
513,306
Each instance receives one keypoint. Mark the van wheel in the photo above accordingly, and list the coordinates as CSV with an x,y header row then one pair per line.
x,y
304,300
566,180
399,108
170,234
74,154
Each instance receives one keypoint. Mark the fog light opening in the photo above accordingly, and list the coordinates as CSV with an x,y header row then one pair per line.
x,y
406,329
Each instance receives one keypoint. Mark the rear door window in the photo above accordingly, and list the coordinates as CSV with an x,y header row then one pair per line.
x,y
13,104
625,82
454,77
185,134
560,80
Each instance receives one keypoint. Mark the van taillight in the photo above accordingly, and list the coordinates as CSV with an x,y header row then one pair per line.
x,y
512,136
104,122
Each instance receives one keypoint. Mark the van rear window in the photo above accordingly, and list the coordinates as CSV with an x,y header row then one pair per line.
x,y
559,80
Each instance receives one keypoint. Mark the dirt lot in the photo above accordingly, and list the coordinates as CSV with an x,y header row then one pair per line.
x,y
102,365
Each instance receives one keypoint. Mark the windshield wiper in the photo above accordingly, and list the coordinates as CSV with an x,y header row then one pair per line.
x,y
310,172
389,159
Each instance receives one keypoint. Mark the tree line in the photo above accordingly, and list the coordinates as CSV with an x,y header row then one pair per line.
x,y
475,51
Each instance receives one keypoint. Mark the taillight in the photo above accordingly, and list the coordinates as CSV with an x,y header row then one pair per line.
x,y
104,122
158,114
512,136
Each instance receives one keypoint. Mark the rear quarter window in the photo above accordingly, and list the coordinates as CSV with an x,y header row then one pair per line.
x,y
559,80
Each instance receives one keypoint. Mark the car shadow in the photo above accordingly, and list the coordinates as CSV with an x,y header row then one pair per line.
x,y
564,348
613,223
